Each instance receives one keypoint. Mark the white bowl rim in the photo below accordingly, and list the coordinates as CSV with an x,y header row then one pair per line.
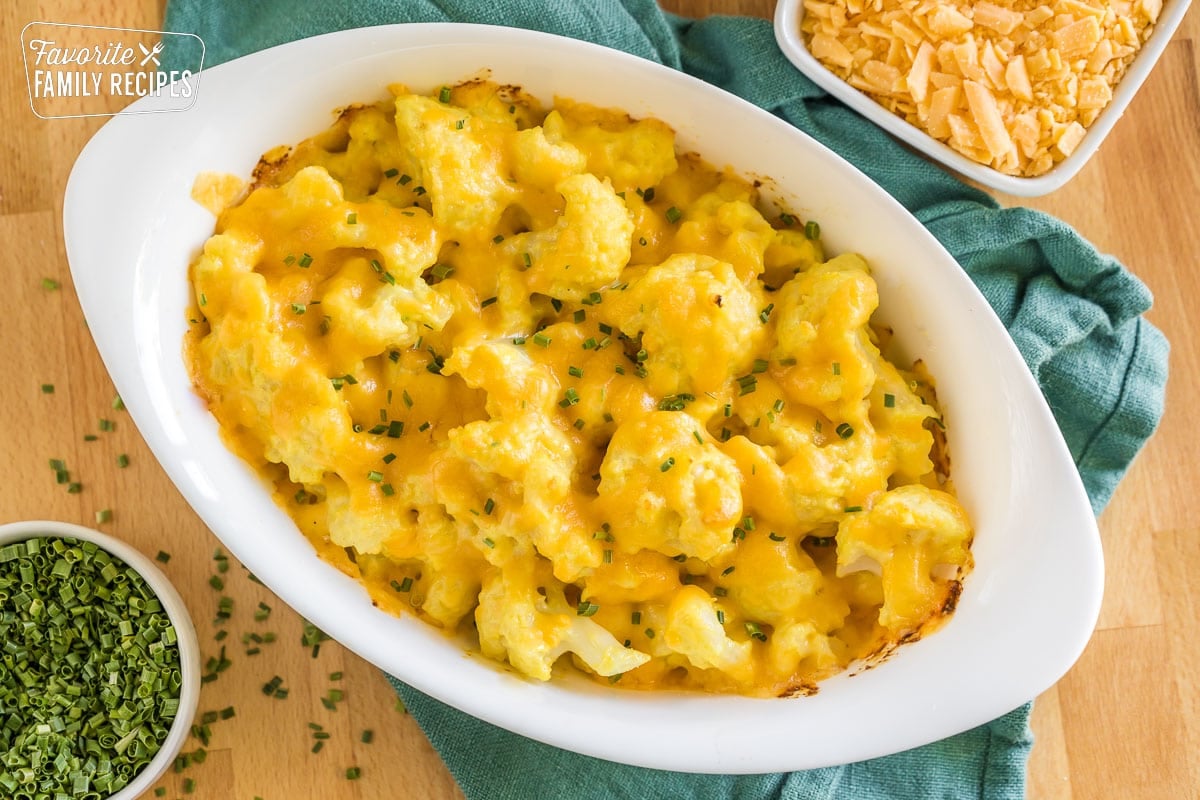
x,y
181,620
788,14
121,287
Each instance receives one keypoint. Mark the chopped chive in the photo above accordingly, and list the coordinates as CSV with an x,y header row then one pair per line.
x,y
47,388
375,476
107,425
117,403
666,465
353,773
579,316
787,219
675,402
489,301
74,487
720,617
487,540
298,308
765,314
352,218
442,271
163,556
305,261
696,435
889,400
592,299
636,618
391,173
844,430
837,368
49,284
122,461
498,238
526,260
570,398
575,372
760,365
404,180
541,339
853,509
367,737
387,489
586,609
755,632
103,515
775,537
812,230
489,506
444,94
674,215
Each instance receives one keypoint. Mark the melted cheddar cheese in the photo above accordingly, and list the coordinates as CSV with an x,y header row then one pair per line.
x,y
537,371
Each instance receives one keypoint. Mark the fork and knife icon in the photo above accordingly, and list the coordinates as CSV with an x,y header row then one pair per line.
x,y
151,54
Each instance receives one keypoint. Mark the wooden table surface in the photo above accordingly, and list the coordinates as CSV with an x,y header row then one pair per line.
x,y
1123,723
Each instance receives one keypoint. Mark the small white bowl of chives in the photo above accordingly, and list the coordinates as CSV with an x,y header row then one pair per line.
x,y
99,665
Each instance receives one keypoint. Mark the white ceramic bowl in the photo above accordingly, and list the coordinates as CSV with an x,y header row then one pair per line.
x,y
172,603
1026,611
788,14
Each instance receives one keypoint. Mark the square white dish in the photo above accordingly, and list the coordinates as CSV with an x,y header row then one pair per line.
x,y
1025,613
789,14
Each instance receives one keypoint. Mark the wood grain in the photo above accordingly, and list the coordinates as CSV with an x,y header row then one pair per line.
x,y
1124,723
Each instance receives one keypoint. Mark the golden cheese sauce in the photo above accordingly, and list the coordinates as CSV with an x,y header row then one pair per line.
x,y
537,371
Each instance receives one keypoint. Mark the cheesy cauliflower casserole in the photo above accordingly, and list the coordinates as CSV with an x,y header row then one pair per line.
x,y
536,372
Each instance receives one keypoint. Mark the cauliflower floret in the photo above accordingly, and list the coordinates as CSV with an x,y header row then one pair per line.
x,y
532,631
732,231
534,458
775,582
631,153
822,322
368,316
908,534
667,491
699,323
694,631
542,161
586,249
792,643
463,162
514,382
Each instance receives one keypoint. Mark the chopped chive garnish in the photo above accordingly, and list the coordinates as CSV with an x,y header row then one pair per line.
x,y
853,509
107,425
442,271
636,618
755,632
375,476
787,219
889,400
586,609
305,261
844,430
541,339
666,465
49,284
812,230
404,180
389,458
498,238
747,384
720,617
489,506
367,737
122,461
298,308
760,365
387,489
649,633
579,316
103,515
696,435
391,173
837,368
674,215
487,540
720,591
526,260
406,584
575,372
765,314
675,402
353,773
395,429
352,218
489,301
570,398
117,403
592,299
444,94
163,556
775,537
47,388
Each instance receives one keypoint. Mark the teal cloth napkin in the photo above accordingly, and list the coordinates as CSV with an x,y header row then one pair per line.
x,y
1074,313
